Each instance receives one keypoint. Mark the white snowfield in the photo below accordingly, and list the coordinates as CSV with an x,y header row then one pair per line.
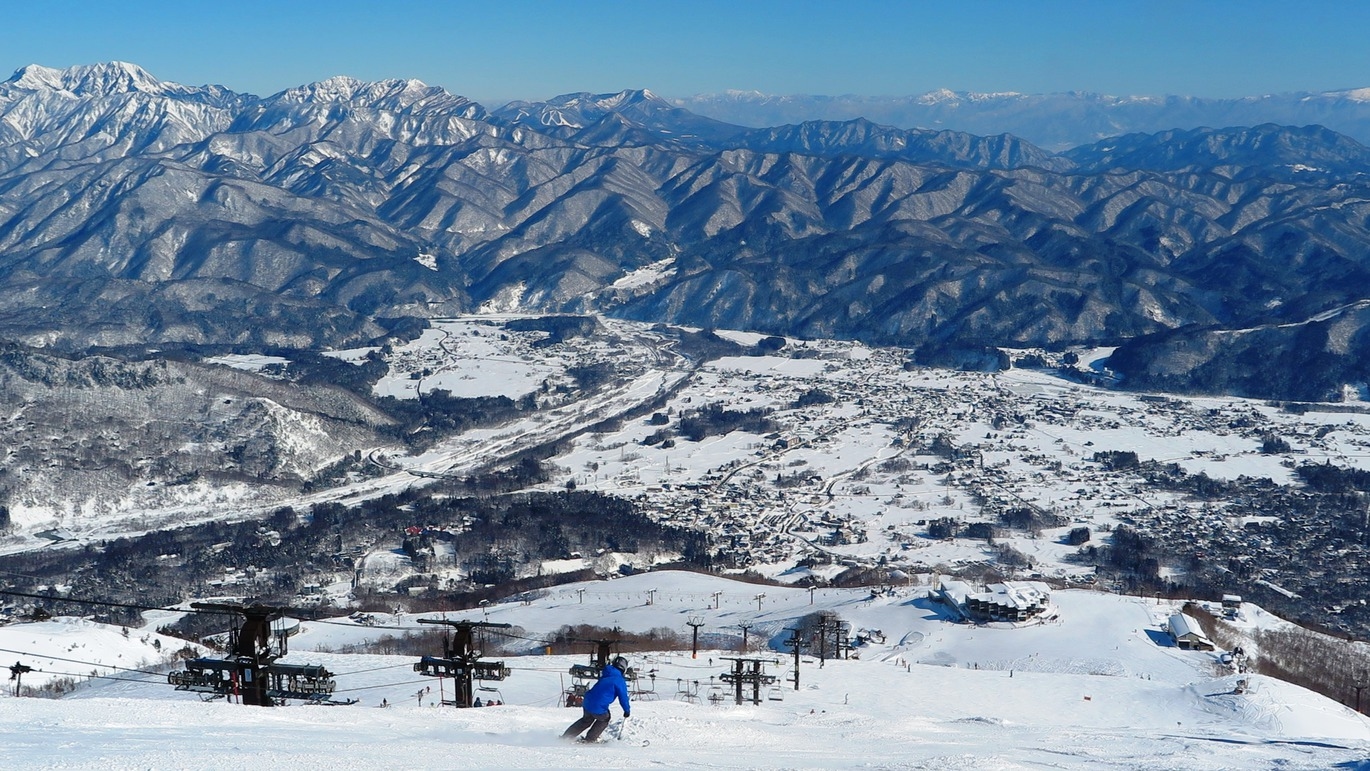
x,y
1100,687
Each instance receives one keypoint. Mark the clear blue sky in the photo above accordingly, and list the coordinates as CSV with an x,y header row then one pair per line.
x,y
502,49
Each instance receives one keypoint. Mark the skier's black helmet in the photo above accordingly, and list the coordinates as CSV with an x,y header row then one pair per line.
x,y
621,663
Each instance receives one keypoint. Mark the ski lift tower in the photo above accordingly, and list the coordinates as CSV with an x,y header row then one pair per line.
x,y
250,671
748,672
461,661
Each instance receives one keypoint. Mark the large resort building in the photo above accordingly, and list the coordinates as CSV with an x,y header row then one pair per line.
x,y
1008,601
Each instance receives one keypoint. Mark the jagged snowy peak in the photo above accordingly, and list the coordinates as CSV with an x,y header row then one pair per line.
x,y
580,109
938,96
357,115
90,80
564,115
609,102
103,111
108,79
391,95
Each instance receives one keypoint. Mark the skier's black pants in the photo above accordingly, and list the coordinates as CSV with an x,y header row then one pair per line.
x,y
596,724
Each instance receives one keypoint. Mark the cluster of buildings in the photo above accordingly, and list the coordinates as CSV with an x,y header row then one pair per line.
x,y
785,497
1014,601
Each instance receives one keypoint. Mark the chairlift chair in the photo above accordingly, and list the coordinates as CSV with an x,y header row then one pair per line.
x,y
687,691
644,693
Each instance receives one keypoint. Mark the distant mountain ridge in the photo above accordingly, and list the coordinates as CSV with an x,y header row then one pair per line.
x,y
137,211
1056,121
1266,149
573,115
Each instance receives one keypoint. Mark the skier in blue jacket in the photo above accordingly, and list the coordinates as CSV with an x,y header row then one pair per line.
x,y
611,685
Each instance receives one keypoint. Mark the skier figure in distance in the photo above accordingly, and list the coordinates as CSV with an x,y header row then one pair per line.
x,y
611,685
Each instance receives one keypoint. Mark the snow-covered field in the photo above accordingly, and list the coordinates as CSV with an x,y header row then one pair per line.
x,y
1100,687
468,358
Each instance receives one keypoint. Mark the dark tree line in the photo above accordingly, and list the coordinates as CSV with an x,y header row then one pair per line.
x,y
1326,478
813,397
703,345
965,357
1030,519
438,412
714,420
559,329
494,538
581,638
1117,460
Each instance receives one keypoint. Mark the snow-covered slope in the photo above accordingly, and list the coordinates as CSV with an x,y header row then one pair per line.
x,y
1098,688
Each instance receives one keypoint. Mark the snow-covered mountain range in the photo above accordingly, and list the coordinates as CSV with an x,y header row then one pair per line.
x,y
137,211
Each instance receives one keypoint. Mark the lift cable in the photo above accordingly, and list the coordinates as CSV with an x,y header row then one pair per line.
x,y
537,640
373,669
384,685
92,676
50,657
